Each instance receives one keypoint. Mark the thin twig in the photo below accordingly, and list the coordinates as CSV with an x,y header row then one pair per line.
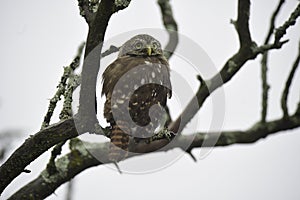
x,y
272,21
56,151
264,64
281,31
288,85
66,112
73,83
61,87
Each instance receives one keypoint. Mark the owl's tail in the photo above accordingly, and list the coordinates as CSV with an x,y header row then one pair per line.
x,y
119,142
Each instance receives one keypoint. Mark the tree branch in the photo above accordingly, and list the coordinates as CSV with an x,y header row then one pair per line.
x,y
40,142
242,23
37,144
281,31
81,158
170,25
264,62
67,91
88,9
87,100
248,51
62,86
288,84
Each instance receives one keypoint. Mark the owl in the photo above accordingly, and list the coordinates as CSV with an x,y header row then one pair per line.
x,y
136,86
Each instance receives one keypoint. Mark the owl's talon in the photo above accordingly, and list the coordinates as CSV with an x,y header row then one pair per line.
x,y
169,135
163,134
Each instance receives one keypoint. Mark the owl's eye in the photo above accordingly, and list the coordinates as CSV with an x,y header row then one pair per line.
x,y
138,45
154,45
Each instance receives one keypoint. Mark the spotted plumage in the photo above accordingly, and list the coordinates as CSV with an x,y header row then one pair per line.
x,y
136,86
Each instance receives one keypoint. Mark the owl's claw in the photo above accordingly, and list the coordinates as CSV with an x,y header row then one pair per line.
x,y
163,134
169,135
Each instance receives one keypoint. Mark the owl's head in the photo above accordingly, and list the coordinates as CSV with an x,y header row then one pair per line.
x,y
141,45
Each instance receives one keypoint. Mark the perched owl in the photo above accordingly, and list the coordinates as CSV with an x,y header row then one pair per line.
x,y
136,85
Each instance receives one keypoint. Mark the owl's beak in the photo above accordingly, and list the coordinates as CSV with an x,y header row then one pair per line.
x,y
149,50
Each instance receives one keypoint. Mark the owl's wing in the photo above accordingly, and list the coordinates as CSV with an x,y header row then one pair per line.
x,y
166,76
112,74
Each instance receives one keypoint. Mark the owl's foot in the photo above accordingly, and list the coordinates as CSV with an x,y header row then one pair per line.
x,y
163,134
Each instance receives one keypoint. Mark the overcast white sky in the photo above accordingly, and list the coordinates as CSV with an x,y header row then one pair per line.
x,y
38,38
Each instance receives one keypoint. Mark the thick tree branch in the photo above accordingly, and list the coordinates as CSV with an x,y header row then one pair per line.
x,y
37,144
288,85
242,23
88,9
245,53
170,25
81,158
264,63
248,51
87,101
6,138
40,142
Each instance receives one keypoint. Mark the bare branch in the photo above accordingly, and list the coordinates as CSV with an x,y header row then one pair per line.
x,y
37,144
265,86
88,9
170,25
81,158
242,23
272,21
231,67
281,31
62,86
56,151
6,138
288,84
87,100
73,82
248,51
264,63
66,112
